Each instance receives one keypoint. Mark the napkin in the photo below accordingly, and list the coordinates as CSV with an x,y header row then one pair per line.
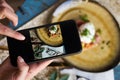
x,y
108,75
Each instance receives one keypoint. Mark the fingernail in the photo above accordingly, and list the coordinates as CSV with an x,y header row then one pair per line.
x,y
15,23
20,59
22,37
52,60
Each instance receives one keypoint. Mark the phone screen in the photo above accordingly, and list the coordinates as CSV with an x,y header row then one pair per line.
x,y
45,42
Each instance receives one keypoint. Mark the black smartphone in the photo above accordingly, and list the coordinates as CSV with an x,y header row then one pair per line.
x,y
46,42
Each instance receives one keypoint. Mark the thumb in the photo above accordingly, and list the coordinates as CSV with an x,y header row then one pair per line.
x,y
23,69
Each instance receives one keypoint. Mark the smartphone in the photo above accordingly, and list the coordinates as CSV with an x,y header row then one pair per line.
x,y
46,42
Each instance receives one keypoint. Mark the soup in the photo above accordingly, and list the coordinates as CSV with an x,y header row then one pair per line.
x,y
51,36
104,54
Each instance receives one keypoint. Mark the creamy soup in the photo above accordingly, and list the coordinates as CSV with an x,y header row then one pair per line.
x,y
48,38
104,53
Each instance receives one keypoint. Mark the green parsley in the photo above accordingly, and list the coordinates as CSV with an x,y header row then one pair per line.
x,y
52,28
85,32
99,31
84,18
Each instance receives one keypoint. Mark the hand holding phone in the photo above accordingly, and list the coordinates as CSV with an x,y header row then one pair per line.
x,y
46,42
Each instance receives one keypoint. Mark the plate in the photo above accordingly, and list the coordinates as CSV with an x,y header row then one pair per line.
x,y
105,55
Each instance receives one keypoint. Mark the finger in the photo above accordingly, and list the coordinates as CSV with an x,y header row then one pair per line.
x,y
4,3
23,69
9,14
4,30
2,16
37,67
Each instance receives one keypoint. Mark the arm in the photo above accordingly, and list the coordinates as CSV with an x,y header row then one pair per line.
x,y
23,71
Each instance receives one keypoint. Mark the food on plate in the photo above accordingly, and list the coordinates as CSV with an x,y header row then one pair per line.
x,y
53,29
99,32
89,37
42,50
51,35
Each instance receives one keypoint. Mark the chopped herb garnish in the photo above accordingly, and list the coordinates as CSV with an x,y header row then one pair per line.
x,y
103,42
99,31
85,32
102,47
42,49
52,28
108,42
84,18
